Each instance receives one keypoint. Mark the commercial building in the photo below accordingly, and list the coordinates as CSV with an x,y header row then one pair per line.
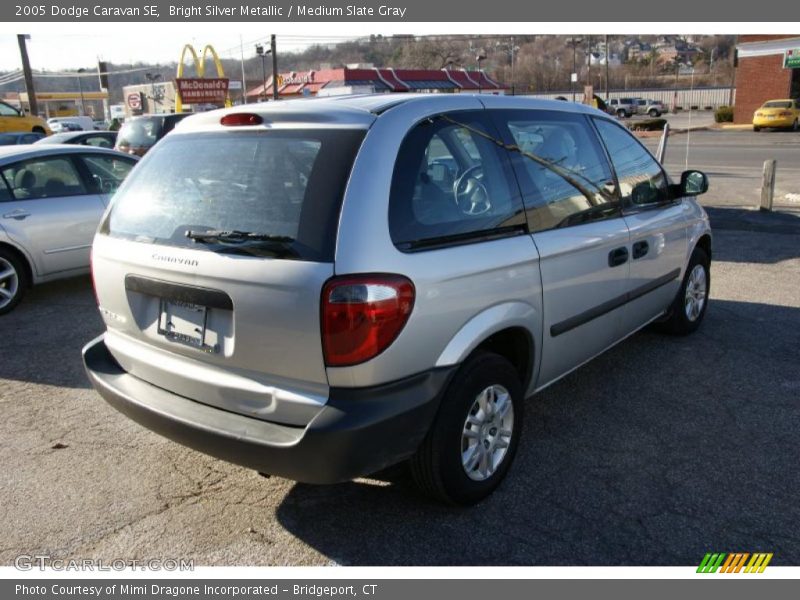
x,y
328,82
761,75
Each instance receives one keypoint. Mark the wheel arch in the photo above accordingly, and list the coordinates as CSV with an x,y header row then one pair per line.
x,y
506,329
26,263
704,242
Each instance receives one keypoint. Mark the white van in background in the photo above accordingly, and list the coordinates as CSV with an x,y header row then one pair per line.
x,y
57,124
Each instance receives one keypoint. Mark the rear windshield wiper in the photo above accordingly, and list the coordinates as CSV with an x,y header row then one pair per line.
x,y
236,236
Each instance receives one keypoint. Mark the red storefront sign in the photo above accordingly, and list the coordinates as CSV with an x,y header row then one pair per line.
x,y
207,90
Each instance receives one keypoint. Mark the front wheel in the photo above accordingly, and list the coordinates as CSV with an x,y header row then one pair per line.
x,y
621,114
756,128
690,304
654,113
473,440
13,281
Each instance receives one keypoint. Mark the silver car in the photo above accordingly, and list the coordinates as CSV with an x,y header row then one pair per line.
x,y
51,200
318,289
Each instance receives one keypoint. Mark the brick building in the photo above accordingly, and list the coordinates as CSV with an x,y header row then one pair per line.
x,y
370,80
760,75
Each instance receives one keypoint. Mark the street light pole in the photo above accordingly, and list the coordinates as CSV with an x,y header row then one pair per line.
x,y
263,56
479,58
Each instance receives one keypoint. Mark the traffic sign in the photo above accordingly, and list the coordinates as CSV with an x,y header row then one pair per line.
x,y
791,59
134,101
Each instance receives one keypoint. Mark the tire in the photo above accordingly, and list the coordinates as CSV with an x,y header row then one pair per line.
x,y
654,113
443,466
756,129
621,113
13,280
794,126
684,315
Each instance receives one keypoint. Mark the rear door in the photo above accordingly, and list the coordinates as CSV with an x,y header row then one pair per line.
x,y
52,214
231,321
657,225
575,218
104,172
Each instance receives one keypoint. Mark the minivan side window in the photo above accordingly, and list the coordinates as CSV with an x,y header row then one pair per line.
x,y
642,181
452,184
562,170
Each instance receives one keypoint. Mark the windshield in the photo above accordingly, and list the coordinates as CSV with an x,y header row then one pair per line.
x,y
278,187
143,132
778,104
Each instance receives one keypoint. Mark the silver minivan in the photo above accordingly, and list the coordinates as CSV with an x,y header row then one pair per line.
x,y
319,289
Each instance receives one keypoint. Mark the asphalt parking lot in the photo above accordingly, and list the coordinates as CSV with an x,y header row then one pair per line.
x,y
653,454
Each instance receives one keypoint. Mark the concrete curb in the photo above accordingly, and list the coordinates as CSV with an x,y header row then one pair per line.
x,y
652,134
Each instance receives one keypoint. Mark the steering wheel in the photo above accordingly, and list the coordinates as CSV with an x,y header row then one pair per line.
x,y
471,196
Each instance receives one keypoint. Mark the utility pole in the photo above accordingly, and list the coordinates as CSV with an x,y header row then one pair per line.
x,y
574,42
735,64
26,70
274,67
589,62
244,79
608,57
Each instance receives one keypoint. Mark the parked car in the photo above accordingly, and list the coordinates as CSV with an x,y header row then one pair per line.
x,y
318,289
13,120
51,200
777,114
101,139
139,134
623,107
74,123
13,139
648,106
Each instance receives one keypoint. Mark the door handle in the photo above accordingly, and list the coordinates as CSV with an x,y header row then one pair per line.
x,y
618,256
640,248
18,214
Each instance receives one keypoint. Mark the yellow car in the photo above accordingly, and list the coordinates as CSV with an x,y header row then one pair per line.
x,y
12,120
783,114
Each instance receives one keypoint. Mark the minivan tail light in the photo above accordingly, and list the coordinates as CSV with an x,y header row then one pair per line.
x,y
362,315
237,119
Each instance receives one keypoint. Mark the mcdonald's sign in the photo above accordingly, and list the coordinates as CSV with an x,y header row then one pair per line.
x,y
734,562
201,90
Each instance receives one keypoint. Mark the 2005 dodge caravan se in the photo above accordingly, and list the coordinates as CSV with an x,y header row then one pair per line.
x,y
321,288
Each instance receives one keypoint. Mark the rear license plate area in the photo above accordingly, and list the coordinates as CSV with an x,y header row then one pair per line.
x,y
185,323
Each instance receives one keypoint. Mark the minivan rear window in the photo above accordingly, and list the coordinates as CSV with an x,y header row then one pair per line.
x,y
275,193
142,132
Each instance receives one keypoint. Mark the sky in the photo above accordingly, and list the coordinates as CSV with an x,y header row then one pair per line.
x,y
59,46
62,50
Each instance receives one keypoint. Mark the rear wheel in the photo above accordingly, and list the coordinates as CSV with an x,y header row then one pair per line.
x,y
689,307
474,438
756,128
13,281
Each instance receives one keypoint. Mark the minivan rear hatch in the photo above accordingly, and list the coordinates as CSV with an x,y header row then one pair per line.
x,y
209,265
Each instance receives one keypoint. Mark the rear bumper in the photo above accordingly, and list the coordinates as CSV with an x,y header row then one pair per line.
x,y
360,430
777,122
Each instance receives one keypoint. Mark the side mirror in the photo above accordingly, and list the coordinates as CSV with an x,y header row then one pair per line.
x,y
693,183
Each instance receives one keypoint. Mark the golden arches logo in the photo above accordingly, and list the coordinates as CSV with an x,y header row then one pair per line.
x,y
200,68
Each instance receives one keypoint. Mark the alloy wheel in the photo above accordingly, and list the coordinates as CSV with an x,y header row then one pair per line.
x,y
487,432
9,282
696,288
